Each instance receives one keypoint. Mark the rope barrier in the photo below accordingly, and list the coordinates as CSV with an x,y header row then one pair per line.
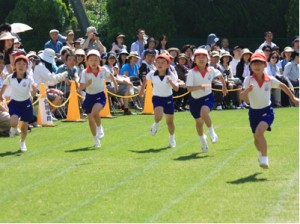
x,y
55,106
82,97
122,96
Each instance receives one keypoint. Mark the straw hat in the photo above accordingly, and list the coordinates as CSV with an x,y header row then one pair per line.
x,y
133,54
246,51
7,36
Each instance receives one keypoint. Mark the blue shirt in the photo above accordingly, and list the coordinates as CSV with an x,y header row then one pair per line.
x,y
71,75
131,72
56,46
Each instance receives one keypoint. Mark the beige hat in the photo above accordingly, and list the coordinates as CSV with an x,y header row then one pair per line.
x,y
7,36
246,51
288,49
226,54
133,54
215,54
174,49
79,52
53,31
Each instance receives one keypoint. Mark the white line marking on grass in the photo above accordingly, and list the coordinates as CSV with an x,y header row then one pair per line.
x,y
187,193
279,206
66,170
119,184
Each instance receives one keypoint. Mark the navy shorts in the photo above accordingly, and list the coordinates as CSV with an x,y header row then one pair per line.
x,y
165,102
22,109
91,99
257,115
196,104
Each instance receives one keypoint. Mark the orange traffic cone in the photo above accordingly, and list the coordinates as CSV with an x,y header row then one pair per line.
x,y
105,112
73,113
44,114
148,105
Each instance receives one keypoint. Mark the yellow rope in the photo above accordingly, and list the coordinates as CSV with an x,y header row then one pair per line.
x,y
122,96
51,104
37,100
80,96
175,97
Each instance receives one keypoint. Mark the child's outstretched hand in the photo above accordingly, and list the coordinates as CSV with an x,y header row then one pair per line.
x,y
89,82
296,101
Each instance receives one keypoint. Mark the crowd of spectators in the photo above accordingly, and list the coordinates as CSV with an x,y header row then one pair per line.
x,y
63,59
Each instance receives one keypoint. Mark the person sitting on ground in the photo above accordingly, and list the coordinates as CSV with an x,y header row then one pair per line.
x,y
182,71
118,44
232,97
70,67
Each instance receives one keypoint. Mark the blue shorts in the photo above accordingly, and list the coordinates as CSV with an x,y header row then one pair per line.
x,y
22,109
165,102
257,115
91,99
197,104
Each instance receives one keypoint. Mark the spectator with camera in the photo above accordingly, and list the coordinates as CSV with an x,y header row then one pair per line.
x,y
92,41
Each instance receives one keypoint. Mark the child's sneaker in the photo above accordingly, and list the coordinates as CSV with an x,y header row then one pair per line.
x,y
154,128
172,141
23,147
13,132
100,132
213,137
264,163
97,143
204,145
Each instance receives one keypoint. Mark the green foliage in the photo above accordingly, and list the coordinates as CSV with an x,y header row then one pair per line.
x,y
5,7
292,18
42,16
154,16
97,14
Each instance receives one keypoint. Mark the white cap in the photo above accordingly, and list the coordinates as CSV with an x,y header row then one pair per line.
x,y
48,55
93,52
201,51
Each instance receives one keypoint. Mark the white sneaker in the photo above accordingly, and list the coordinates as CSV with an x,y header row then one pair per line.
x,y
53,117
264,163
23,147
214,138
172,142
97,143
13,132
154,128
219,107
204,145
100,132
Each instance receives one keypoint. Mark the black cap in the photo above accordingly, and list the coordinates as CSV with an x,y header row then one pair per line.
x,y
149,52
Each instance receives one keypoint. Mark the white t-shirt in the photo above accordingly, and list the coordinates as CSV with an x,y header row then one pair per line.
x,y
20,91
194,78
161,88
260,96
233,65
97,85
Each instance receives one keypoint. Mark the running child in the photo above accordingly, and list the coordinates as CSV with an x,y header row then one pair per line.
x,y
92,81
201,101
257,88
20,106
163,81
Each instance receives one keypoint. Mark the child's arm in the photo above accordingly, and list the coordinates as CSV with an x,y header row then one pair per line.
x,y
244,93
34,88
141,93
224,88
2,91
289,93
85,85
112,78
174,85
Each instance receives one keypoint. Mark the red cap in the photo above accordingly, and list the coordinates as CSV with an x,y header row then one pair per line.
x,y
164,56
21,57
258,56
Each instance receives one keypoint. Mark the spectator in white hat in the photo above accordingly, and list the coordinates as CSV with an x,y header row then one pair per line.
x,y
92,41
54,43
6,48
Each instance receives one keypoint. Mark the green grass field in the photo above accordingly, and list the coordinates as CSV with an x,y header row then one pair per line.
x,y
134,177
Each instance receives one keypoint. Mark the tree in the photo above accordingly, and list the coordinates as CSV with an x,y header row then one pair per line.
x,y
292,18
42,16
154,16
5,7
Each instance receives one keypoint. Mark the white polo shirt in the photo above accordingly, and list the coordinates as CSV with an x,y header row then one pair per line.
x,y
19,91
195,78
97,85
260,96
161,88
